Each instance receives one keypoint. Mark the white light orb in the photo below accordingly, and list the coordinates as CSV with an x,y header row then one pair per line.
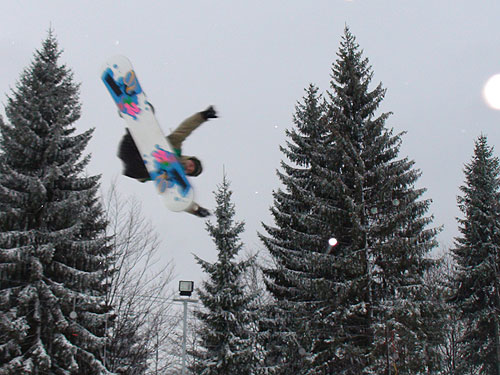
x,y
491,91
332,242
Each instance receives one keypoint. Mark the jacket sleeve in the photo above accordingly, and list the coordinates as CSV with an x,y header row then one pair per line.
x,y
184,130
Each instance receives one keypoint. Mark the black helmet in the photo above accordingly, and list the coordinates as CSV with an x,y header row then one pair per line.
x,y
198,168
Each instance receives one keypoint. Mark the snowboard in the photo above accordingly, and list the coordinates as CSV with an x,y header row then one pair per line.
x,y
159,158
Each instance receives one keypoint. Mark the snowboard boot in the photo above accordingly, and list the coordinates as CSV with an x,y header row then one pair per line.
x,y
201,212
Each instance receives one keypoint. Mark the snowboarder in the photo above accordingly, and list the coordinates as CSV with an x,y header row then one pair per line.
x,y
134,165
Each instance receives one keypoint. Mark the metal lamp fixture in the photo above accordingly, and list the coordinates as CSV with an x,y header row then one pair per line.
x,y
186,288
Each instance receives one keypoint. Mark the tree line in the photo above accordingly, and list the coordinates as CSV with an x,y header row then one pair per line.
x,y
376,302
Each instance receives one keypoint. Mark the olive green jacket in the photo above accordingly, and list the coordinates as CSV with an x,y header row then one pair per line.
x,y
186,127
178,136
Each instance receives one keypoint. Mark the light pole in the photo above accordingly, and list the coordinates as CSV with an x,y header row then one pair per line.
x,y
186,289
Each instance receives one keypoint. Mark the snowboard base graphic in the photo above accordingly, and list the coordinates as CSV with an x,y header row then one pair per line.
x,y
159,158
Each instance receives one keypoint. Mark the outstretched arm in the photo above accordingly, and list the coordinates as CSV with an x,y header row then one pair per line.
x,y
189,125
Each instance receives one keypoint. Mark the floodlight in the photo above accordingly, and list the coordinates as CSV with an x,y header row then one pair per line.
x,y
186,288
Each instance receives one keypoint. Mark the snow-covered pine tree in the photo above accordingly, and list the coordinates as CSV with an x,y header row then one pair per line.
x,y
226,344
295,244
366,297
477,253
387,231
52,248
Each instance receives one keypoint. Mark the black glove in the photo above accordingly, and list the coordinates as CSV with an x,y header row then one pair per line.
x,y
209,113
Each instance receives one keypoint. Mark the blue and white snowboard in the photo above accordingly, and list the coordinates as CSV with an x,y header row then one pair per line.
x,y
159,158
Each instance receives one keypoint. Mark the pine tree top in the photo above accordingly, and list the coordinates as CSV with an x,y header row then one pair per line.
x,y
479,204
42,112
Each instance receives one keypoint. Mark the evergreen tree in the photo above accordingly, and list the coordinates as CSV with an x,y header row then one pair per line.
x,y
295,248
225,340
359,307
52,248
477,293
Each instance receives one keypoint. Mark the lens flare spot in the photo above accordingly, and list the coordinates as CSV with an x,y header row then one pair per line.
x,y
491,91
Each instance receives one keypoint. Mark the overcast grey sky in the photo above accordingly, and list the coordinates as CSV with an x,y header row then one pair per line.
x,y
252,60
